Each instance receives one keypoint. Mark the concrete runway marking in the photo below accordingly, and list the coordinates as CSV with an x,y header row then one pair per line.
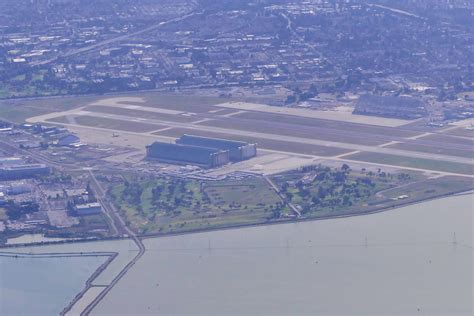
x,y
216,111
420,136
234,113
202,121
348,154
394,142
161,130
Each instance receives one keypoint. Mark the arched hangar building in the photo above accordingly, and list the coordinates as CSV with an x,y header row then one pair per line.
x,y
238,150
202,151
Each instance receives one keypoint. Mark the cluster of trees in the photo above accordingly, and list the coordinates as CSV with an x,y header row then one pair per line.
x,y
172,195
132,193
16,210
330,188
275,210
300,96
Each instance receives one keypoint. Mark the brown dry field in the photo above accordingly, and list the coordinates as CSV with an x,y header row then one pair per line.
x,y
141,114
298,148
92,121
308,132
320,123
434,150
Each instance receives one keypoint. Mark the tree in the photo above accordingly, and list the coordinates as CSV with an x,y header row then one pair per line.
x,y
322,193
346,200
340,176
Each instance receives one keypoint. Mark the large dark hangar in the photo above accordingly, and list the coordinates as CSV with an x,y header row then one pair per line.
x,y
186,154
202,151
238,150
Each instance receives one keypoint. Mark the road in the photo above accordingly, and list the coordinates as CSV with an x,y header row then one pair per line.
x,y
114,214
114,40
118,224
13,148
398,11
282,196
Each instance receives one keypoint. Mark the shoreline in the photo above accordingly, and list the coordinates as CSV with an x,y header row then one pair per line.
x,y
113,255
239,226
311,219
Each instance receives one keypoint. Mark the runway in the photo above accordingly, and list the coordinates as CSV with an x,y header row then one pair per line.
x,y
290,133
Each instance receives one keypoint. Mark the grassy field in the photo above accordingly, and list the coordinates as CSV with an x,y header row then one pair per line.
x,y
167,205
251,192
401,161
292,147
427,188
18,110
435,150
162,205
141,114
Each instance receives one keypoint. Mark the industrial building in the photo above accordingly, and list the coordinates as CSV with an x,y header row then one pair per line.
x,y
68,140
11,161
88,209
185,154
23,171
238,150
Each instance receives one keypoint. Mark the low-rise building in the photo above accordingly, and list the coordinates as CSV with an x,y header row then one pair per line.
x,y
68,140
23,171
11,161
88,209
2,198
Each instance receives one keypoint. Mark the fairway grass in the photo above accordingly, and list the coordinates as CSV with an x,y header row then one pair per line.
x,y
193,205
419,163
